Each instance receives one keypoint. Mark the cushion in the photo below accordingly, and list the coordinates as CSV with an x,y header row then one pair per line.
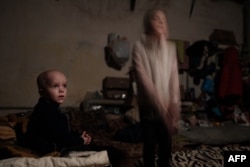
x,y
6,131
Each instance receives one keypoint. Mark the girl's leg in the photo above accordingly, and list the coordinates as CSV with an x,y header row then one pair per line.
x,y
148,144
165,147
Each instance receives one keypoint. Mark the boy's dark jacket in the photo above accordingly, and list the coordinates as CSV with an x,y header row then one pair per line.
x,y
48,129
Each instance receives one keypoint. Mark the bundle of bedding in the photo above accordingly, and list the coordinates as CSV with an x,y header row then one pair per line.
x,y
76,159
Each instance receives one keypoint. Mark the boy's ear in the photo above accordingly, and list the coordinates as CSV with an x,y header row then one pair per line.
x,y
40,91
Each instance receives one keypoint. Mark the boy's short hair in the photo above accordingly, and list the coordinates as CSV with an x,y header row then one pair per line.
x,y
42,78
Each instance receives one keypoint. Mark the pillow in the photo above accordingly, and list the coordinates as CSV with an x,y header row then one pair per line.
x,y
22,118
6,131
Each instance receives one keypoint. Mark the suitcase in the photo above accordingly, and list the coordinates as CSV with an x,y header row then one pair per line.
x,y
115,87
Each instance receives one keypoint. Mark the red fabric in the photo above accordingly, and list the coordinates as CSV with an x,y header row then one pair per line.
x,y
231,75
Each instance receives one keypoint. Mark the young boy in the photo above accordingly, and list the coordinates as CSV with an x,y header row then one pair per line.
x,y
47,129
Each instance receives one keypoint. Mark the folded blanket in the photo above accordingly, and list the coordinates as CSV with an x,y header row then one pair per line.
x,y
90,159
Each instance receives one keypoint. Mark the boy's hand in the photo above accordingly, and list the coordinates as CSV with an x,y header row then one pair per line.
x,y
86,138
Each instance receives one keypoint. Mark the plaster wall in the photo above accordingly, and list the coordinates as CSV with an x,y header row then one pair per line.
x,y
70,35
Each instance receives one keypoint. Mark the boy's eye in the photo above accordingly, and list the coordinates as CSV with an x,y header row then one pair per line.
x,y
65,85
55,86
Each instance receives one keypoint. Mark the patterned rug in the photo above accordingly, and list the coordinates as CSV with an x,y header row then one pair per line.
x,y
205,156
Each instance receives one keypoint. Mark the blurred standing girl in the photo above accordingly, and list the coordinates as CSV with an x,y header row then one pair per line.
x,y
156,75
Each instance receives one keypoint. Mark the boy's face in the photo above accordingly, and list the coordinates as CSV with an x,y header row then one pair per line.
x,y
56,87
159,23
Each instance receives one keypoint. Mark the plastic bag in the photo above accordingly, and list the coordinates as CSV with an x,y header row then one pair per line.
x,y
117,51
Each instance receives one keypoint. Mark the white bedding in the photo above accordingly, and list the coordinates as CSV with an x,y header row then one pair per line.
x,y
79,159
